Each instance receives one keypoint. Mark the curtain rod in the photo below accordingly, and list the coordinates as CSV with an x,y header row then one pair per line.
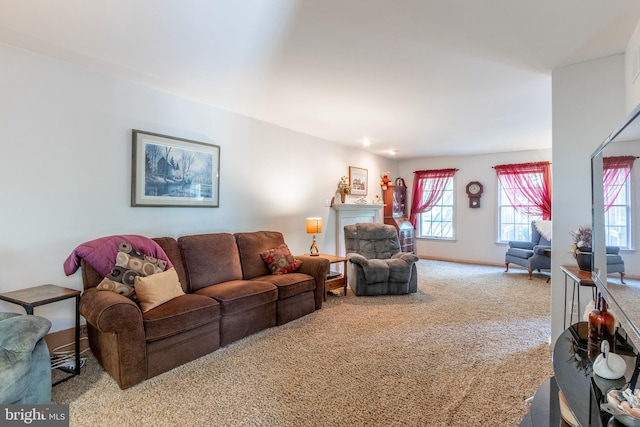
x,y
493,167
436,169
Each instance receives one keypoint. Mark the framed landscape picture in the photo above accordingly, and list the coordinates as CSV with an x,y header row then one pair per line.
x,y
358,180
169,171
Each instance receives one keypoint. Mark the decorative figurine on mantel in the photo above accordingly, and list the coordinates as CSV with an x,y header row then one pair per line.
x,y
361,201
377,200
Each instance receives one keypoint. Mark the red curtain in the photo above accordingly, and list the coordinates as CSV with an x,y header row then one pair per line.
x,y
426,196
529,196
616,170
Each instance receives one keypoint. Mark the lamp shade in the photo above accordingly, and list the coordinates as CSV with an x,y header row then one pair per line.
x,y
314,225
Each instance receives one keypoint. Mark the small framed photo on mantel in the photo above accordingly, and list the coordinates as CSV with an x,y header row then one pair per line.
x,y
358,179
170,171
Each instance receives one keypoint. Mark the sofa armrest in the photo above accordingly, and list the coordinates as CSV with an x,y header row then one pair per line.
x,y
109,311
19,334
539,249
406,257
116,335
521,245
357,259
318,268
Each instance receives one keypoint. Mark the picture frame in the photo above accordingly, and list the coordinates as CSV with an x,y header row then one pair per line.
x,y
358,180
167,171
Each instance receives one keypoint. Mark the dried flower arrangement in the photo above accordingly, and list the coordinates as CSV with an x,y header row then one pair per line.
x,y
582,239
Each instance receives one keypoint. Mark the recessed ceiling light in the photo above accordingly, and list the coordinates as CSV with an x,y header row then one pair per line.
x,y
366,142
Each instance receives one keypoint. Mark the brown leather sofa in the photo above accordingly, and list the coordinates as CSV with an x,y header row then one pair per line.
x,y
229,294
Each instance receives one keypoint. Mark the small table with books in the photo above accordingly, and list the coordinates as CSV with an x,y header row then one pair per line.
x,y
335,279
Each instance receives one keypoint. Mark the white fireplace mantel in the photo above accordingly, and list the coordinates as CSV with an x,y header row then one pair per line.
x,y
351,213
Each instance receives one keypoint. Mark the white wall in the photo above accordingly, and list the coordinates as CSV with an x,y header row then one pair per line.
x,y
476,228
65,137
588,103
632,70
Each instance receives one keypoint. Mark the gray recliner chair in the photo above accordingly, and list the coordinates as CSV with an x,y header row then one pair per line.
x,y
530,255
25,366
376,265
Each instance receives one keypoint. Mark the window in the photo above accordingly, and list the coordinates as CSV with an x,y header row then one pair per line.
x,y
437,223
617,196
433,191
616,219
513,225
524,195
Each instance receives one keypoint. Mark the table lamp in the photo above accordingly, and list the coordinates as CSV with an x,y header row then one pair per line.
x,y
314,226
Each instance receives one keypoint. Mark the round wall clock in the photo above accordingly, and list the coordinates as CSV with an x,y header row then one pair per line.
x,y
474,191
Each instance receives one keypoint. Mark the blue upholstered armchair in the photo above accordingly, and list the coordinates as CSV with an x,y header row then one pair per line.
x,y
376,265
25,366
615,263
530,255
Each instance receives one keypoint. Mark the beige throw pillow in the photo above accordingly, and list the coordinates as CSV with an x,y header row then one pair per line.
x,y
157,289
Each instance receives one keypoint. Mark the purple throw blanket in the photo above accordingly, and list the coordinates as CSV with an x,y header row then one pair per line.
x,y
101,253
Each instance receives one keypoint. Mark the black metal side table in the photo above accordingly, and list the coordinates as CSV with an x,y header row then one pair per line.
x,y
29,298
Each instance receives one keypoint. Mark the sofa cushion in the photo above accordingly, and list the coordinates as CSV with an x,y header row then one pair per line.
x,y
377,271
520,253
179,315
157,289
240,295
290,284
250,245
210,259
614,259
280,261
170,247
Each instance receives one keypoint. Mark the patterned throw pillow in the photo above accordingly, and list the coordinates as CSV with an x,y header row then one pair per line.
x,y
280,261
129,265
117,287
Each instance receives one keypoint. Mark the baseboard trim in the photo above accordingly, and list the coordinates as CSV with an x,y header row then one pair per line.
x,y
461,261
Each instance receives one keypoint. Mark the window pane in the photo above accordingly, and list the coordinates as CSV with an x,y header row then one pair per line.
x,y
616,219
514,225
438,222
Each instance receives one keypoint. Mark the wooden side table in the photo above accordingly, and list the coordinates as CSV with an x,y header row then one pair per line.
x,y
335,280
45,294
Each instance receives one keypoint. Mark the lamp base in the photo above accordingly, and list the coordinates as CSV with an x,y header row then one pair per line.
x,y
313,251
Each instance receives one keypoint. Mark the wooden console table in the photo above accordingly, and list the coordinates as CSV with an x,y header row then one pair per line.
x,y
578,278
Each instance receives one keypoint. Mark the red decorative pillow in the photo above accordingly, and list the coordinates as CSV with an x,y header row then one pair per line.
x,y
280,261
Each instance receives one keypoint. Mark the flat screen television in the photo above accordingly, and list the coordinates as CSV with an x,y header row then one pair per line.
x,y
624,299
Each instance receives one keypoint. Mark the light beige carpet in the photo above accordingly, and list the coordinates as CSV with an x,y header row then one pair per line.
x,y
466,350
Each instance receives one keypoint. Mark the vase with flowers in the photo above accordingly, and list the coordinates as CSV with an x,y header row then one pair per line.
x,y
344,188
581,248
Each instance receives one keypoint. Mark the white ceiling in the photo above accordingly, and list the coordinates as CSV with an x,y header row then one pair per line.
x,y
422,77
